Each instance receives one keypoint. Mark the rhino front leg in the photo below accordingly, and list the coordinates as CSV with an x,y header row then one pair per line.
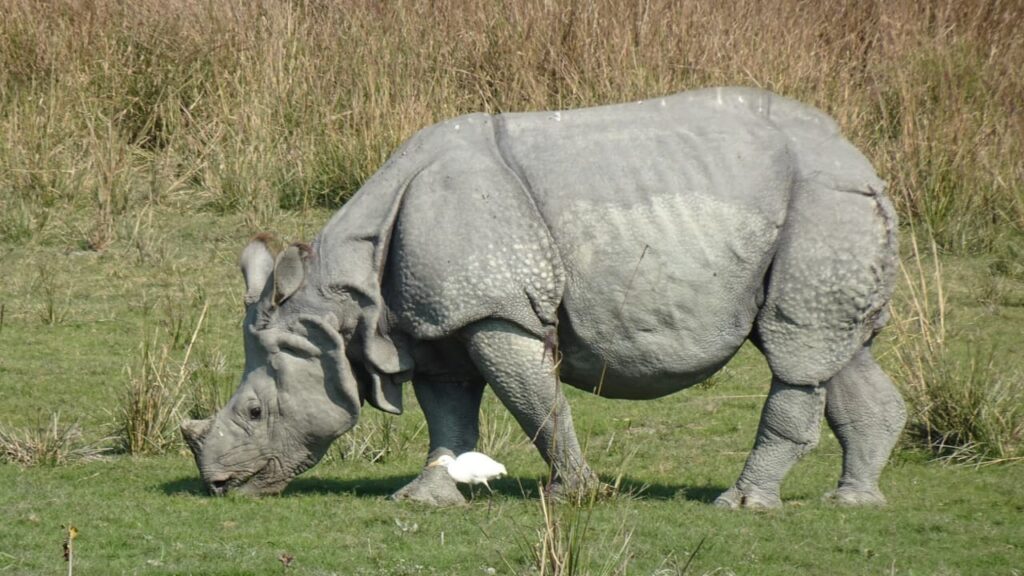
x,y
790,427
521,372
867,415
452,410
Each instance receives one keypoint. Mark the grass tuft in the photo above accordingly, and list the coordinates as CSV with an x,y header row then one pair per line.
x,y
53,444
56,297
965,409
156,398
377,438
566,544
972,412
498,429
211,382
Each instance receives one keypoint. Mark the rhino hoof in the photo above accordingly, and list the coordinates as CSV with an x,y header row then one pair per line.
x,y
845,496
579,493
434,487
734,499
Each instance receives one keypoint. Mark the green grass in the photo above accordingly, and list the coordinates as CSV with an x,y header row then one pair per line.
x,y
147,514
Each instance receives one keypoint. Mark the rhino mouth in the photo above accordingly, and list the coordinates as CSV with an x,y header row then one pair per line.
x,y
218,487
271,478
222,483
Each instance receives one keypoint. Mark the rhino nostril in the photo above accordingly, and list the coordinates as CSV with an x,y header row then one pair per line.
x,y
219,487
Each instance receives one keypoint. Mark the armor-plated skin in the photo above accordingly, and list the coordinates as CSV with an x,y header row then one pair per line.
x,y
647,241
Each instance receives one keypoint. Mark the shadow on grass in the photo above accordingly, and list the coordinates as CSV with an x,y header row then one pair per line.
x,y
525,488
631,488
370,486
376,486
183,486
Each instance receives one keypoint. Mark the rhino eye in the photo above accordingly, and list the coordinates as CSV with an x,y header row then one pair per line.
x,y
255,412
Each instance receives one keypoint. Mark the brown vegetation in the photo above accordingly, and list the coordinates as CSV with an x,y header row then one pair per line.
x,y
107,105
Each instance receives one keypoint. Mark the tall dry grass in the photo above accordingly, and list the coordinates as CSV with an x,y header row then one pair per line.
x,y
107,105
964,408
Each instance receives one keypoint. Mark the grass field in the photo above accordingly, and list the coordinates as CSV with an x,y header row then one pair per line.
x,y
146,514
142,144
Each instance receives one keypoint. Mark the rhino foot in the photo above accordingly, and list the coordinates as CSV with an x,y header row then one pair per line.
x,y
754,499
850,496
434,487
559,492
582,489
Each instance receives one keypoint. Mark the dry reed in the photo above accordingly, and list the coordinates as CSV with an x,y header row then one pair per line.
x,y
255,106
53,444
156,397
963,408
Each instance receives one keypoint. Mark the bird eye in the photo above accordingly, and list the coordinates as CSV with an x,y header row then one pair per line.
x,y
255,412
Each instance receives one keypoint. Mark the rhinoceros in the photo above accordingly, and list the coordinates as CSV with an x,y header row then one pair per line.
x,y
628,250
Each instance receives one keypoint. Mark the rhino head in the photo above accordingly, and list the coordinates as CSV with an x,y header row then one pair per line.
x,y
299,390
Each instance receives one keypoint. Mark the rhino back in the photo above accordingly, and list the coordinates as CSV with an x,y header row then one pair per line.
x,y
666,215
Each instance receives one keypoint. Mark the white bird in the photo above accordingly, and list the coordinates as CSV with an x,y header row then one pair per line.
x,y
472,468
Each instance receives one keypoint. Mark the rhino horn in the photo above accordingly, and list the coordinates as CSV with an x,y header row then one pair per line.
x,y
194,431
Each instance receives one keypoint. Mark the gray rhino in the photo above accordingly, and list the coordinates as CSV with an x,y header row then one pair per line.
x,y
635,247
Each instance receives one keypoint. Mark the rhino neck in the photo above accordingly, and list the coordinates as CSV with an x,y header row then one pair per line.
x,y
353,246
351,257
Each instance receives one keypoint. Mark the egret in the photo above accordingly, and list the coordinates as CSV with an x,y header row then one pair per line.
x,y
472,468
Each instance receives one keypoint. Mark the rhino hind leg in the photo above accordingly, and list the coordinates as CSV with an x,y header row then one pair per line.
x,y
520,370
790,427
452,410
867,415
829,283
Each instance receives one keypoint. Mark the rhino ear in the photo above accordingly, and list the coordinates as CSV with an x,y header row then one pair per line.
x,y
290,271
257,263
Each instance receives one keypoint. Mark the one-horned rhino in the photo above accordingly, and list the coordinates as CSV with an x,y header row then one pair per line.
x,y
640,243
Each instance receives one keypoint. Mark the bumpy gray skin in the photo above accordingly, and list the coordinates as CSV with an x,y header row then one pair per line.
x,y
647,241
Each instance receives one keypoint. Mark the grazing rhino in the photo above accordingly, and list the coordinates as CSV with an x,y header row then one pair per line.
x,y
646,241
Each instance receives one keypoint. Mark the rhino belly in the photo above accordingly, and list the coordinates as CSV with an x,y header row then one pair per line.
x,y
659,295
